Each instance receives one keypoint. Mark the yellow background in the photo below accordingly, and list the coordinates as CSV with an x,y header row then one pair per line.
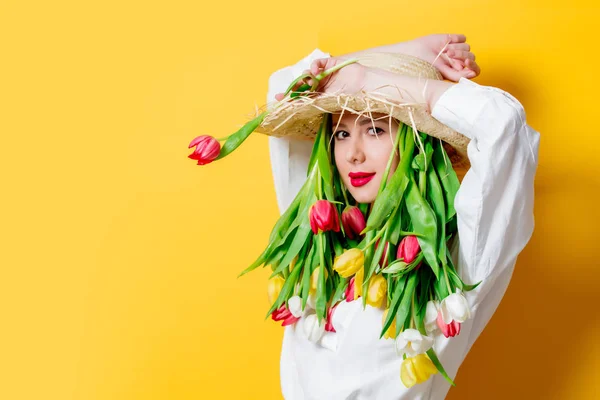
x,y
119,255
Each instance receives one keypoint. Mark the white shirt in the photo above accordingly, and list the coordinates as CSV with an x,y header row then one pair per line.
x,y
494,208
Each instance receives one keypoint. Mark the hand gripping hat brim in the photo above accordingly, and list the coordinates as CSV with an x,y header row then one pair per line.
x,y
302,117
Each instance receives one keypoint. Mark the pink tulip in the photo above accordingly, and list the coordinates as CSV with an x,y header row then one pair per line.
x,y
409,249
328,324
324,217
285,315
207,149
383,261
451,329
353,221
349,294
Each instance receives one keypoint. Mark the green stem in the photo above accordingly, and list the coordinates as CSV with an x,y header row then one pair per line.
x,y
332,70
447,280
383,229
344,193
412,311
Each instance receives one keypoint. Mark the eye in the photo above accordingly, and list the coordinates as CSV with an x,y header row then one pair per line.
x,y
337,135
378,131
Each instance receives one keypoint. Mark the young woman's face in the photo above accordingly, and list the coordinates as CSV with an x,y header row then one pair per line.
x,y
362,148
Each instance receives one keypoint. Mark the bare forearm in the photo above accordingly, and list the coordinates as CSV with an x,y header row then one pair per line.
x,y
405,89
388,48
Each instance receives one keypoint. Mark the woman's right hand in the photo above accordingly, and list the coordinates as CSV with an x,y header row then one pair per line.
x,y
348,79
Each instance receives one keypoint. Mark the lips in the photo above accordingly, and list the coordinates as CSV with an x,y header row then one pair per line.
x,y
360,178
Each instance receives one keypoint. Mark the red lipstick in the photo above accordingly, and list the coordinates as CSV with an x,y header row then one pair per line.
x,y
360,178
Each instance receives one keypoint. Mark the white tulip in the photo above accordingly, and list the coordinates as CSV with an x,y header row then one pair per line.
x,y
295,306
312,301
455,307
412,343
312,329
431,316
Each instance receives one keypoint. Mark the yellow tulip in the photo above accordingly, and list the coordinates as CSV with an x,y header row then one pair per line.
x,y
359,278
349,262
391,331
314,279
274,288
416,369
377,291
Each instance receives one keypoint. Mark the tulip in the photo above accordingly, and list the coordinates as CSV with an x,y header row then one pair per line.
x,y
448,330
431,315
383,261
359,278
455,307
416,369
391,331
349,293
314,279
412,343
329,324
408,249
353,221
285,315
312,328
295,306
323,217
377,291
349,262
274,288
312,300
207,149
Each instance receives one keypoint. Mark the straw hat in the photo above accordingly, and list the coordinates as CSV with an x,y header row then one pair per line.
x,y
302,117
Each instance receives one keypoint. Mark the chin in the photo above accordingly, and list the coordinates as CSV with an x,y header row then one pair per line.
x,y
363,195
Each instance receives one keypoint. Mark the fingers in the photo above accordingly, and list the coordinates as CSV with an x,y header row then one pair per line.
x,y
459,46
472,65
461,54
457,38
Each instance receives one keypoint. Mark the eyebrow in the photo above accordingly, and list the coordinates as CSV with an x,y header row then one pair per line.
x,y
361,123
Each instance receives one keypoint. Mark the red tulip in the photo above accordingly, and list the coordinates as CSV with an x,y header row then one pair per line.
x,y
353,221
409,249
328,324
207,149
349,294
324,217
383,261
451,329
285,315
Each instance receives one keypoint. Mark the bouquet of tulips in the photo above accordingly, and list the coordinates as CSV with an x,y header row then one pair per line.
x,y
326,248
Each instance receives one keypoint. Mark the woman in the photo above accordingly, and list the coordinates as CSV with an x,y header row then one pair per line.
x,y
494,209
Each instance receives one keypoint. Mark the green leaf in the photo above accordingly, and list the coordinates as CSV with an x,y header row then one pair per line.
x,y
447,175
436,197
404,308
422,161
300,239
439,366
242,134
395,303
424,222
307,271
287,288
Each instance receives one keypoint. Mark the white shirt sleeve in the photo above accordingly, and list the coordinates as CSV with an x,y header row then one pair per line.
x,y
494,204
289,157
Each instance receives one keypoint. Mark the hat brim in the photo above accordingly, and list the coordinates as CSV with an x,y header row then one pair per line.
x,y
301,118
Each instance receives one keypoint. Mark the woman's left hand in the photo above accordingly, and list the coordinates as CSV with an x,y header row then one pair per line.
x,y
454,62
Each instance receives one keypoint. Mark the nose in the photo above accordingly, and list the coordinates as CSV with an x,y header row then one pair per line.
x,y
355,153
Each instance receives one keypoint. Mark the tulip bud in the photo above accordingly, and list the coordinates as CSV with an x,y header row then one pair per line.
x,y
274,288
408,249
416,369
353,221
295,306
349,293
312,328
329,324
411,342
349,262
391,331
207,149
377,291
314,279
455,307
284,314
448,330
323,217
359,279
431,315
